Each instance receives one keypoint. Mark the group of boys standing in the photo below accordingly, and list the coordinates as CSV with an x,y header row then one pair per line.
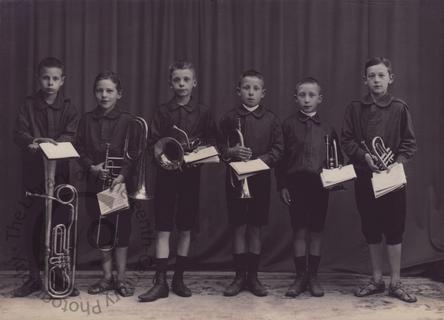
x,y
296,150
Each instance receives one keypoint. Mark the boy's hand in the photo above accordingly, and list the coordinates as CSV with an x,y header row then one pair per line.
x,y
33,147
285,196
239,152
98,171
117,182
41,140
371,163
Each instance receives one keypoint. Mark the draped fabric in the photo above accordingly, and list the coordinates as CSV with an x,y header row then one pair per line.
x,y
286,40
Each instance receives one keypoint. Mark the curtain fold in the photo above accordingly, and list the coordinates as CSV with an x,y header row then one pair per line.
x,y
286,40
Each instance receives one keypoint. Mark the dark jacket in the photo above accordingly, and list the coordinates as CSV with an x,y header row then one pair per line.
x,y
388,118
304,146
37,119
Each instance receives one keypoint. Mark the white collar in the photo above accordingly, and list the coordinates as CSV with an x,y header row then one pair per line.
x,y
310,114
250,109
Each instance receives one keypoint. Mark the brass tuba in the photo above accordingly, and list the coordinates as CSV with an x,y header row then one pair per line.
x,y
381,155
169,152
61,239
114,165
241,187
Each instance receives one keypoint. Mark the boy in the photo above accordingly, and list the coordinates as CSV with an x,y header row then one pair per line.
x,y
379,114
262,135
177,187
300,186
46,116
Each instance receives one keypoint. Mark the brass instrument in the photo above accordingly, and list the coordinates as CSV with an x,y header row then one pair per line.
x,y
241,186
332,160
169,152
60,240
114,165
381,155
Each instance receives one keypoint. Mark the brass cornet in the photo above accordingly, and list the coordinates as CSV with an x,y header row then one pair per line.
x,y
332,160
381,155
169,152
114,165
60,240
241,187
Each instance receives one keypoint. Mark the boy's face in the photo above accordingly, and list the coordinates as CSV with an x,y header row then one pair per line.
x,y
308,97
51,80
106,93
377,79
251,91
182,82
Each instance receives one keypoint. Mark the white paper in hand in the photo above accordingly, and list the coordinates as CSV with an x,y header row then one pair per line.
x,y
248,167
388,180
200,155
61,150
111,201
332,177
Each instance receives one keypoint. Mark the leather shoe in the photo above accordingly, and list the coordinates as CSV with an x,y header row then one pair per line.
x,y
256,287
314,286
158,291
29,286
179,287
299,285
235,287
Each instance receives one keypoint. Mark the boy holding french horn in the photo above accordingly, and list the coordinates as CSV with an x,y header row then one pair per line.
x,y
249,131
181,125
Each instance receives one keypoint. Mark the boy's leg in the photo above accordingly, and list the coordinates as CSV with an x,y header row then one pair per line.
x,y
300,262
376,254
106,283
396,289
160,288
239,260
254,244
314,259
124,287
182,261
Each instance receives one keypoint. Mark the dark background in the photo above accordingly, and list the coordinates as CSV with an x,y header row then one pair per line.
x,y
286,40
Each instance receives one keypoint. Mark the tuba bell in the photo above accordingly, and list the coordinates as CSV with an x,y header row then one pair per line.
x,y
61,239
382,156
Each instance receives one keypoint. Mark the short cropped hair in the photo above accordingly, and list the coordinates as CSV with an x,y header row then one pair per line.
x,y
378,60
50,62
181,65
108,75
310,80
251,73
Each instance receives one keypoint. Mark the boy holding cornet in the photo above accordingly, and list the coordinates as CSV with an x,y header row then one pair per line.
x,y
379,114
305,133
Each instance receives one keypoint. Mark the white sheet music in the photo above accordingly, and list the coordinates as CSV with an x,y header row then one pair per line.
x,y
247,167
332,177
200,155
388,180
62,150
111,201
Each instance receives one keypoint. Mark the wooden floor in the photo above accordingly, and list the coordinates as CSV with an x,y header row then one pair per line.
x,y
208,302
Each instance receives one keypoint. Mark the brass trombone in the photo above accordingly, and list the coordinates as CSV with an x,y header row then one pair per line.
x,y
114,165
241,187
60,240
382,156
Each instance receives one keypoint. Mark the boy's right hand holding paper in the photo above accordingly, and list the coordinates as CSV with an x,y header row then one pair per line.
x,y
239,152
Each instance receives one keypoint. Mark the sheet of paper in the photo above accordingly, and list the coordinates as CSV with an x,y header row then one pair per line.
x,y
111,201
214,159
201,154
388,180
331,177
246,167
62,150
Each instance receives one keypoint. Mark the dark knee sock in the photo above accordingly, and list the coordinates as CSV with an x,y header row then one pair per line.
x,y
300,264
181,265
313,264
253,264
161,265
240,264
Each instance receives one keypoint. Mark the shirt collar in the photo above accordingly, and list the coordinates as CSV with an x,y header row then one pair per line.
x,y
257,113
42,104
383,101
173,105
304,117
98,113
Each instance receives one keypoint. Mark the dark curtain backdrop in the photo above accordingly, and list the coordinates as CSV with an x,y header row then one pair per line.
x,y
286,40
